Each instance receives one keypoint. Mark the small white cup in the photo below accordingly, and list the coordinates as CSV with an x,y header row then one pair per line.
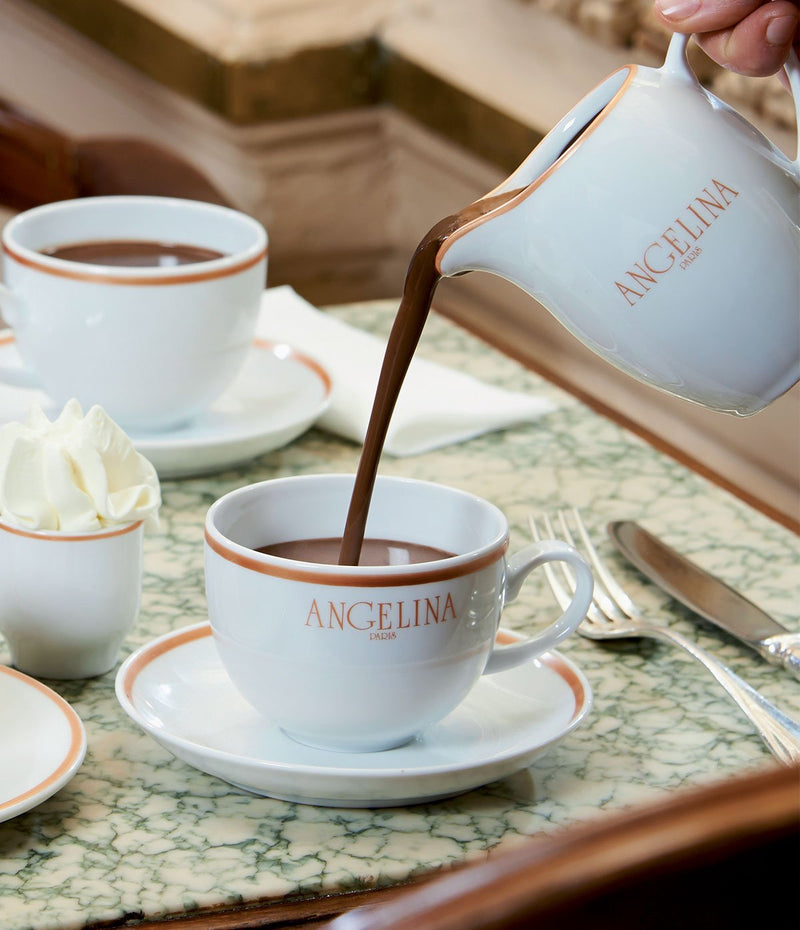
x,y
362,658
153,346
67,600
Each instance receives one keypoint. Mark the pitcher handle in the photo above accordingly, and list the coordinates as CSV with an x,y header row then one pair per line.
x,y
676,63
792,69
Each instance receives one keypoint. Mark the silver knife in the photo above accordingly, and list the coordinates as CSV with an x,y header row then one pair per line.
x,y
707,595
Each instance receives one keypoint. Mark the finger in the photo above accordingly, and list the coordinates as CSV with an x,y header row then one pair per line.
x,y
759,45
700,16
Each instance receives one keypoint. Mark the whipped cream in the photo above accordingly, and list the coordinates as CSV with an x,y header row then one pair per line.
x,y
77,473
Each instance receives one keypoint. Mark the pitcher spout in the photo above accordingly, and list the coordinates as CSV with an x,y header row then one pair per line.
x,y
492,241
489,240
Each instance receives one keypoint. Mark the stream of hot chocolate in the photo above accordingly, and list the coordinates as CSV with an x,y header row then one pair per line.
x,y
420,284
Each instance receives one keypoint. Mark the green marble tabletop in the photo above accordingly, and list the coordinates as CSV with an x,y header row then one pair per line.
x,y
137,833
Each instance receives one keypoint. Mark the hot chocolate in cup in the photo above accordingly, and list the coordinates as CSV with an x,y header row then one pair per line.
x,y
363,658
146,306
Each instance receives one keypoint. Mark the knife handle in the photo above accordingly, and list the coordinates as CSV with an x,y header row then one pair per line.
x,y
782,649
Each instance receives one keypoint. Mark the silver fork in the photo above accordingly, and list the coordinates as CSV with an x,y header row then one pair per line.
x,y
613,615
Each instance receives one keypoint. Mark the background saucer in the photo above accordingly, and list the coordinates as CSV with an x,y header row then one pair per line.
x,y
278,394
176,689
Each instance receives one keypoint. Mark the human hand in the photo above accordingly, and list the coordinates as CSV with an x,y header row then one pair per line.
x,y
751,37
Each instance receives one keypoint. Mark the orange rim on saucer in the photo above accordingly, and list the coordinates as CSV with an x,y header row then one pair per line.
x,y
72,756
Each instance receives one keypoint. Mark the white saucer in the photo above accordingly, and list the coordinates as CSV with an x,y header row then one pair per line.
x,y
176,689
42,743
275,398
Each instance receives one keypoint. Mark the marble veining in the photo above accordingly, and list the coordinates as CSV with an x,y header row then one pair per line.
x,y
138,833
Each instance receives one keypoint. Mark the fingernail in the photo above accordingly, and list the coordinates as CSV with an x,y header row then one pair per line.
x,y
677,9
780,29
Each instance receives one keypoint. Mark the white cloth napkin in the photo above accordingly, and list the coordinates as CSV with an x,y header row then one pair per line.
x,y
437,406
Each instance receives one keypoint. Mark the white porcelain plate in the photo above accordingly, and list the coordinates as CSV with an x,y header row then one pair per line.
x,y
276,397
42,743
176,689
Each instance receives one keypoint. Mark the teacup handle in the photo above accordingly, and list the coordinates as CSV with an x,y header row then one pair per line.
x,y
677,63
519,567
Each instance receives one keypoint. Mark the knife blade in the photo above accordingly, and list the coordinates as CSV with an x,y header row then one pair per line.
x,y
707,595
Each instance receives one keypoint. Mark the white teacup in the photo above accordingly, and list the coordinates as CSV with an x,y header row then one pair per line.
x,y
363,658
154,346
67,600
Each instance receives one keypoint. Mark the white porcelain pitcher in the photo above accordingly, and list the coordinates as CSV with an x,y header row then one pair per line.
x,y
665,237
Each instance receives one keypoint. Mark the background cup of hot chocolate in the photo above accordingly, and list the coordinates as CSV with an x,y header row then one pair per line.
x,y
146,306
362,658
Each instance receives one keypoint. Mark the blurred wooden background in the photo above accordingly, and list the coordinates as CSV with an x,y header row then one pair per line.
x,y
350,126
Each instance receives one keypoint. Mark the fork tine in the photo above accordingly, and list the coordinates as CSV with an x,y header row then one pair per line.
x,y
562,596
615,591
565,570
606,607
609,602
594,612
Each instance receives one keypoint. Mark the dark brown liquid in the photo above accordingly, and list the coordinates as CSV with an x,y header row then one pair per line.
x,y
373,551
132,253
420,284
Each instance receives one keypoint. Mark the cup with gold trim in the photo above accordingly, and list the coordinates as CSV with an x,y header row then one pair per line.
x,y
153,344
